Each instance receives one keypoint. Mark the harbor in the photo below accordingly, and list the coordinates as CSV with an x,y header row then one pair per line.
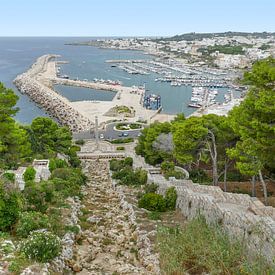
x,y
39,84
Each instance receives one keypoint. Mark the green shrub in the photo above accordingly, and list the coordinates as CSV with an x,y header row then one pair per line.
x,y
128,161
122,140
152,202
198,176
127,176
174,173
9,176
167,166
35,198
30,221
11,204
154,216
150,188
171,198
116,165
120,148
29,174
80,142
41,246
57,163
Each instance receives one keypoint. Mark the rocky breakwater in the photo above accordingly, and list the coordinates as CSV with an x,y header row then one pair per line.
x,y
110,242
240,215
31,84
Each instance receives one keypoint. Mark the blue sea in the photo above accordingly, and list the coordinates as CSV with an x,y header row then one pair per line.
x,y
85,62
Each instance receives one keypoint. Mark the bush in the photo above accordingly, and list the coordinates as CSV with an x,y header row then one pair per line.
x,y
174,173
11,204
29,174
127,176
116,165
57,163
80,142
9,176
151,188
41,246
120,148
30,221
198,176
167,166
171,198
122,140
152,202
35,198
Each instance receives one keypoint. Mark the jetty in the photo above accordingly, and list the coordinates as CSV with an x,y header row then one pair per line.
x,y
30,83
39,84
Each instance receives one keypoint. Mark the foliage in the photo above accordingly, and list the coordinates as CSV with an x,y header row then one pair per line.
x,y
198,175
122,140
127,176
47,137
152,202
35,198
226,49
11,204
171,198
120,148
146,140
41,246
202,249
14,144
155,216
30,221
80,142
150,188
116,165
9,176
29,174
57,163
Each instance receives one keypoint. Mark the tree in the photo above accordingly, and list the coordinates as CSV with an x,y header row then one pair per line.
x,y
47,137
204,138
14,144
254,122
149,136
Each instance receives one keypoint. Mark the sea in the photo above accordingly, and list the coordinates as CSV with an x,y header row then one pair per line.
x,y
17,54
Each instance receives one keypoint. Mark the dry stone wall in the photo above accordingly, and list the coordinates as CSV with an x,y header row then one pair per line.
x,y
240,215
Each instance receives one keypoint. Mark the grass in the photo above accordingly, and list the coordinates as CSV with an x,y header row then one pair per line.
x,y
200,249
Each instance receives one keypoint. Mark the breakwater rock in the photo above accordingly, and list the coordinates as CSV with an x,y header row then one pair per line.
x,y
31,83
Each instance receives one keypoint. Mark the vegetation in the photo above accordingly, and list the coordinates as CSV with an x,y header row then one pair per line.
x,y
126,126
198,248
29,174
241,143
157,203
120,148
122,140
226,49
122,109
34,216
41,246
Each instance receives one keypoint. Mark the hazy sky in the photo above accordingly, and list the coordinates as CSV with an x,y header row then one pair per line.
x,y
133,17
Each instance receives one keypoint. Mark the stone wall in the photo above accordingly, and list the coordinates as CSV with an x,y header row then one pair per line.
x,y
239,214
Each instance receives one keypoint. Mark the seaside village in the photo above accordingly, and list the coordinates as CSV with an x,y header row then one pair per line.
x,y
136,189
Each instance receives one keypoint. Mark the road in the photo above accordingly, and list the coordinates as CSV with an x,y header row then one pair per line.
x,y
108,133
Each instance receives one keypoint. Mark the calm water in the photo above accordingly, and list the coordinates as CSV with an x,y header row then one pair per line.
x,y
17,54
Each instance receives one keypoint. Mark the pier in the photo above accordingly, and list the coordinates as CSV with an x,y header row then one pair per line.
x,y
39,81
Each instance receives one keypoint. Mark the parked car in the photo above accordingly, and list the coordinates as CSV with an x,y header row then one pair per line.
x,y
101,136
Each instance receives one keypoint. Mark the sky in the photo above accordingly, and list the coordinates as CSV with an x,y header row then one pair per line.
x,y
133,17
